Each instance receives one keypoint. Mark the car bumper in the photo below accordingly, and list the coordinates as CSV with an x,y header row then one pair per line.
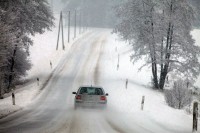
x,y
90,105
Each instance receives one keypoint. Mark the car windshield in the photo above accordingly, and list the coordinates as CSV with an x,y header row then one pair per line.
x,y
91,91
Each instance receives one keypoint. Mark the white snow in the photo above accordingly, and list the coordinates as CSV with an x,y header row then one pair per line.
x,y
41,53
124,105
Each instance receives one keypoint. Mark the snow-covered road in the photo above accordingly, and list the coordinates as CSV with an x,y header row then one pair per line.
x,y
90,61
53,111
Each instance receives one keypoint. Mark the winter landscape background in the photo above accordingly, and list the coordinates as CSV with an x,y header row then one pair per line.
x,y
109,39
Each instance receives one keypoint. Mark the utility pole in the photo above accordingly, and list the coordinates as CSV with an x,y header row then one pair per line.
x,y
83,21
60,27
58,34
75,25
69,27
63,43
80,22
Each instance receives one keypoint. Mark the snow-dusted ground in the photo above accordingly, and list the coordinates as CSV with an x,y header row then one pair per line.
x,y
125,104
91,60
41,54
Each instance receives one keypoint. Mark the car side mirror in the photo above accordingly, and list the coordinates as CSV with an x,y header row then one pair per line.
x,y
73,92
107,94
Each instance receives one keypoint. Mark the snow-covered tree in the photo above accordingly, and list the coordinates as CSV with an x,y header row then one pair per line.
x,y
159,32
23,19
5,42
27,17
179,96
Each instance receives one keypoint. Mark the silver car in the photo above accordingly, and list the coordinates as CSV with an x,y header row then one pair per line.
x,y
90,97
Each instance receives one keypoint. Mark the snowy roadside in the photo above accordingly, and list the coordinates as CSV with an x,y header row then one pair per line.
x,y
124,104
44,58
124,111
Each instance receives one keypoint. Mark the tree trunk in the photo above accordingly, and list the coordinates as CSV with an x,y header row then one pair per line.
x,y
164,71
155,77
153,55
162,80
164,68
1,94
12,68
155,80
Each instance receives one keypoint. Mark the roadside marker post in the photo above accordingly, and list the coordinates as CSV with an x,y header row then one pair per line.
x,y
118,63
142,103
51,65
13,98
60,29
126,83
38,81
195,117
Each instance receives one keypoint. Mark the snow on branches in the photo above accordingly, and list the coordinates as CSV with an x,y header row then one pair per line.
x,y
18,20
160,31
179,96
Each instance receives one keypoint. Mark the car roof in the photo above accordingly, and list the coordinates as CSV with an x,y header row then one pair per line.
x,y
91,86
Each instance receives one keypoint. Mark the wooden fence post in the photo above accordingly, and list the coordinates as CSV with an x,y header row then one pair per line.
x,y
195,116
38,81
118,63
126,83
51,65
13,98
142,103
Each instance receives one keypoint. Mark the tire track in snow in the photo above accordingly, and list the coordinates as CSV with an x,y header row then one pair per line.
x,y
97,68
81,121
22,117
115,127
96,76
83,74
85,77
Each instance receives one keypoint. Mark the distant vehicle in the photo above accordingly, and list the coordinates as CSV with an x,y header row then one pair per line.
x,y
90,97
